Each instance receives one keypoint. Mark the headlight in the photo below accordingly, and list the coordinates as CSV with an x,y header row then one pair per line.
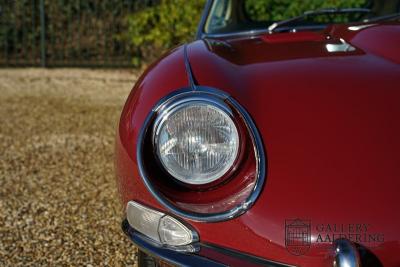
x,y
196,141
200,155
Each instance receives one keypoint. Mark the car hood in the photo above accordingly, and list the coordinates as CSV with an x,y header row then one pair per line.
x,y
327,107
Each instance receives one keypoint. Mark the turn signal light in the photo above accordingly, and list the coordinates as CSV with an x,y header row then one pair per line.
x,y
158,226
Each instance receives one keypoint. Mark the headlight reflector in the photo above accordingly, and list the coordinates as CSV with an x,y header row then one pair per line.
x,y
196,141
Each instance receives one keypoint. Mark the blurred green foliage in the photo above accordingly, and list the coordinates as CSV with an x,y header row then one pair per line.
x,y
162,26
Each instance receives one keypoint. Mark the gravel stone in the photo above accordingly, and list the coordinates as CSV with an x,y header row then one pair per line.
x,y
58,199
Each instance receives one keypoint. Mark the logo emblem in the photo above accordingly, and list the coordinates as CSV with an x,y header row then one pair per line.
x,y
297,236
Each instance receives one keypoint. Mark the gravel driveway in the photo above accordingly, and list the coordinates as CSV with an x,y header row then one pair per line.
x,y
58,199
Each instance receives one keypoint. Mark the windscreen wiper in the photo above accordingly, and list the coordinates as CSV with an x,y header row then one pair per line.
x,y
312,13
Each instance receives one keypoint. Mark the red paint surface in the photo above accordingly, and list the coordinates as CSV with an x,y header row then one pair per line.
x,y
330,127
290,37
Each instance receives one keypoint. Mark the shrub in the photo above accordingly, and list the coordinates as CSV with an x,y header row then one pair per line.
x,y
162,26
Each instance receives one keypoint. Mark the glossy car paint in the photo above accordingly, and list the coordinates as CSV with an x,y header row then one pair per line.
x,y
330,126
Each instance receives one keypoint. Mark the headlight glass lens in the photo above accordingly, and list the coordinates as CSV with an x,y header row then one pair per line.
x,y
197,142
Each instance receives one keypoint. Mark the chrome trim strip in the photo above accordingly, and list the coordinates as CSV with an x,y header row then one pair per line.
x,y
187,90
258,149
234,34
203,19
253,260
200,255
346,254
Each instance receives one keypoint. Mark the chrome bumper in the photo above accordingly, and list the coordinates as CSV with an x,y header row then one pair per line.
x,y
202,255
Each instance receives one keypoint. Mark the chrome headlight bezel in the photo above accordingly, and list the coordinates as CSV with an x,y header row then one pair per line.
x,y
183,201
172,108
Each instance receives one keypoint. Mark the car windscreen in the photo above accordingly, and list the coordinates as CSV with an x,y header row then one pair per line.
x,y
229,16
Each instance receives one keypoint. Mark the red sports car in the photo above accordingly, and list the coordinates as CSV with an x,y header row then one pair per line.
x,y
268,143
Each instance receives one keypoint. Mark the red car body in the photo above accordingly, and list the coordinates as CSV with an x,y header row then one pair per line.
x,y
329,122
